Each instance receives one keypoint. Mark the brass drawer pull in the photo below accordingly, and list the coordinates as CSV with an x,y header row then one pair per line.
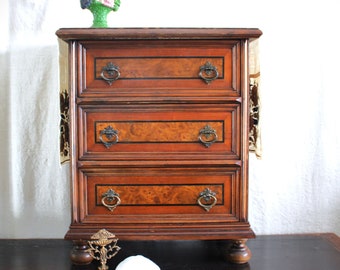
x,y
207,199
111,199
207,136
112,71
111,135
208,72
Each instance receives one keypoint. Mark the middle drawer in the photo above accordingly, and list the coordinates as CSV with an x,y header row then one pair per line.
x,y
125,132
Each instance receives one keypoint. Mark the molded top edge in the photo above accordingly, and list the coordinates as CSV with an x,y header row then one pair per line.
x,y
68,34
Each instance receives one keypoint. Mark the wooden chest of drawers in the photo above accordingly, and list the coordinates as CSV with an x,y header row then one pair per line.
x,y
159,134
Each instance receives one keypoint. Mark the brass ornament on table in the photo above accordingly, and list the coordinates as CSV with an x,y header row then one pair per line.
x,y
103,247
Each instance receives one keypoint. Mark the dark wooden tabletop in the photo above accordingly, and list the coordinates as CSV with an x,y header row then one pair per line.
x,y
293,252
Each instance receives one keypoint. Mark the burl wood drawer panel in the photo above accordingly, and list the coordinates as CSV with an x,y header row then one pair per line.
x,y
156,132
171,67
195,193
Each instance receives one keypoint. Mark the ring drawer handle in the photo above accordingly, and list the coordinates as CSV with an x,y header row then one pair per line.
x,y
207,199
208,72
112,71
111,199
111,135
207,136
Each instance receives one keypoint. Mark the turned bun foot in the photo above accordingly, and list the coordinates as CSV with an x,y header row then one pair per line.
x,y
79,254
238,252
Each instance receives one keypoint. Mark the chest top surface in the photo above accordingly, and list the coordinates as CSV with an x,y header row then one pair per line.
x,y
157,33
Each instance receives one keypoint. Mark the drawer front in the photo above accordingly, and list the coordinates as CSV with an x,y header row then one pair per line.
x,y
171,193
131,68
151,132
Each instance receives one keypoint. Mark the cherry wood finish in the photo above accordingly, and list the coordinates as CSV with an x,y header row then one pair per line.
x,y
166,132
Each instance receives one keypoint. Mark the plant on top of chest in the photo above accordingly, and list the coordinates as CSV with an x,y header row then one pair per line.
x,y
100,9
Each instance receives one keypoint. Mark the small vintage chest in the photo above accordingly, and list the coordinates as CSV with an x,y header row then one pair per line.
x,y
159,134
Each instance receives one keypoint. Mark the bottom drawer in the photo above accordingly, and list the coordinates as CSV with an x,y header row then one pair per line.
x,y
144,194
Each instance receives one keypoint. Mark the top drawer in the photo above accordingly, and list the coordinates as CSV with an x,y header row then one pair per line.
x,y
176,68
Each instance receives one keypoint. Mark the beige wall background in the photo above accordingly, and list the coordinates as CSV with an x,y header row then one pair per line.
x,y
295,188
